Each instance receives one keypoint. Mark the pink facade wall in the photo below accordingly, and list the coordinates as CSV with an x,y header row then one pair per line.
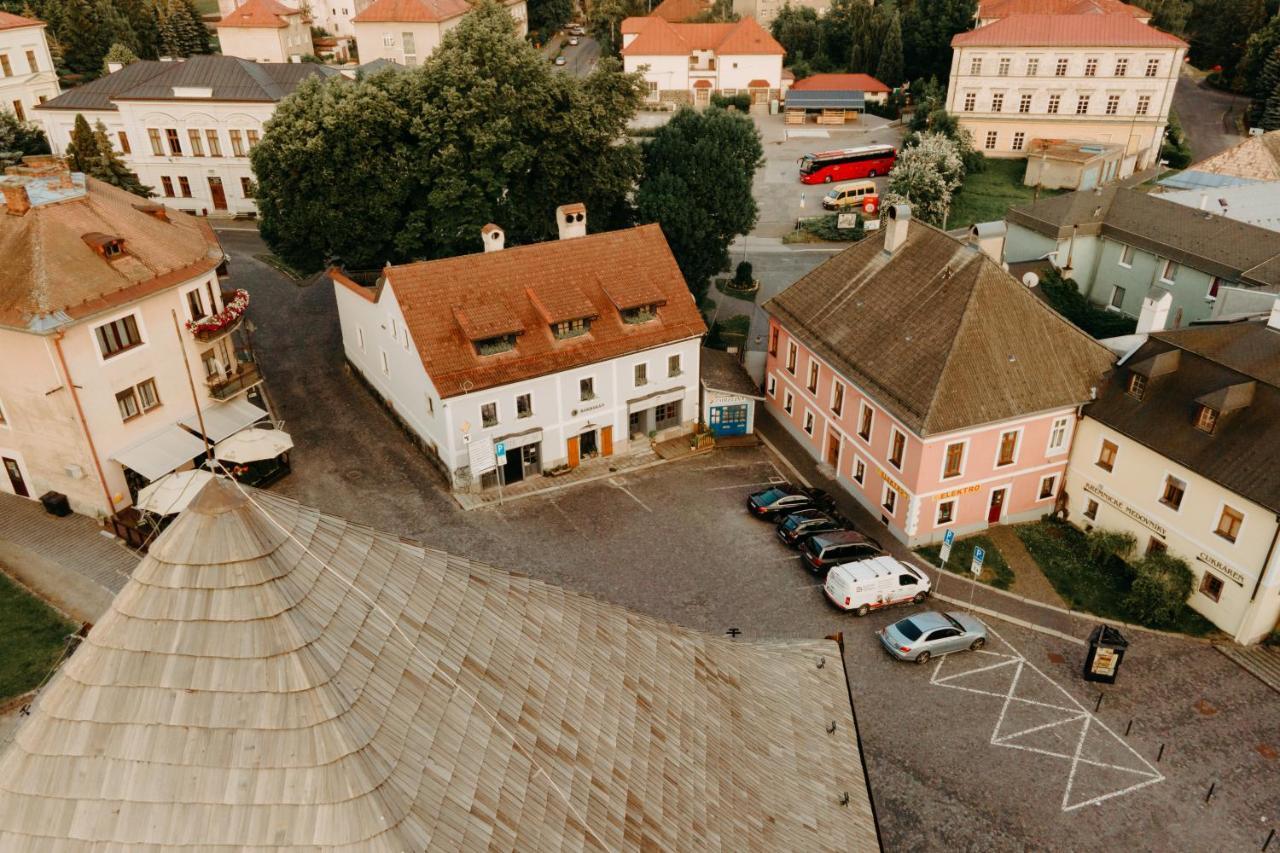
x,y
919,482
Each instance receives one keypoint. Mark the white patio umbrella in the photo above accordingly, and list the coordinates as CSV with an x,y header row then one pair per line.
x,y
172,492
252,445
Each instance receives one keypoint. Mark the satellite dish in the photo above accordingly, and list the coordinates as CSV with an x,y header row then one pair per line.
x,y
1030,279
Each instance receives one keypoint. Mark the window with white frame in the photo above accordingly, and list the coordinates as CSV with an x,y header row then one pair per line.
x,y
1024,103
388,39
1008,452
1169,272
1113,104
524,406
859,470
587,388
1229,523
792,352
866,416
812,385
641,374
772,387
1082,105
117,336
1061,69
1144,104
1019,140
897,448
1091,67
1126,256
837,398
946,513
788,402
953,460
1174,491
1122,67
1033,66
1047,486
653,90
1054,102
975,65
808,422
1215,283
489,414
990,142
1058,435
673,365
970,101
1117,297
889,500
1153,68
997,102
1003,68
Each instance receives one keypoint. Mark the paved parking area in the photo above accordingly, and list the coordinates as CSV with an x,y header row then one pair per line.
x,y
1012,757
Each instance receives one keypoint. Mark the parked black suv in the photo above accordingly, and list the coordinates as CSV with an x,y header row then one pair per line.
x,y
793,529
784,499
824,550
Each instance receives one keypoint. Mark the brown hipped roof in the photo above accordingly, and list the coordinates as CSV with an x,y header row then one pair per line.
x,y
48,267
412,11
679,11
939,334
839,83
377,695
450,304
656,37
266,14
988,9
1067,31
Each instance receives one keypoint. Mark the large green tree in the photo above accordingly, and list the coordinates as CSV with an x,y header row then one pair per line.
x,y
890,68
1219,29
698,172
1168,15
926,175
927,29
1268,117
546,17
90,152
19,138
406,165
799,32
1259,83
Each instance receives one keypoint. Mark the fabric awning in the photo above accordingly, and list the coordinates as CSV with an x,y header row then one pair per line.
x,y
160,452
520,439
224,419
648,401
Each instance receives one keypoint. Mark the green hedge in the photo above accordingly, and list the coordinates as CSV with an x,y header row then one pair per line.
x,y
742,103
995,571
1065,297
824,228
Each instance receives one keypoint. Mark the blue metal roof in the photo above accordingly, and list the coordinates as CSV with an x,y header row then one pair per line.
x,y
825,100
1193,180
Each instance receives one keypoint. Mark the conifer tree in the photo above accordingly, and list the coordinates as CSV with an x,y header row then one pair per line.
x,y
1266,112
111,167
890,70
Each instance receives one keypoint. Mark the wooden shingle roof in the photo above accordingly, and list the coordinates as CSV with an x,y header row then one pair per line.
x,y
367,694
939,334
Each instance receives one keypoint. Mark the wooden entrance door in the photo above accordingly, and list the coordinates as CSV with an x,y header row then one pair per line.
x,y
833,449
606,441
997,506
15,478
218,193
573,452
701,97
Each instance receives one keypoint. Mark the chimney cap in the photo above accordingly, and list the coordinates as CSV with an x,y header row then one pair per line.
x,y
900,211
489,228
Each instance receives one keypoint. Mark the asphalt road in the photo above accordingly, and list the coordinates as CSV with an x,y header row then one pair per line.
x,y
580,59
1201,110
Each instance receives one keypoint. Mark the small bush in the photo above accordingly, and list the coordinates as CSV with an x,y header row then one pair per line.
x,y
825,228
1067,300
742,276
1162,584
741,103
1110,543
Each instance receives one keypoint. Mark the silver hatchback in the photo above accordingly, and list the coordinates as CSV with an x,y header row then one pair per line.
x,y
924,635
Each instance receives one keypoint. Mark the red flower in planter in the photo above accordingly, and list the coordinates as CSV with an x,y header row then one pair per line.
x,y
231,311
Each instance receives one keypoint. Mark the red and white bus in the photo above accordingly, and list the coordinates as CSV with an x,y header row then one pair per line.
x,y
846,164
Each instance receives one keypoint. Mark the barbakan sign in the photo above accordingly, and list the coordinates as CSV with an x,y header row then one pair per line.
x,y
1137,516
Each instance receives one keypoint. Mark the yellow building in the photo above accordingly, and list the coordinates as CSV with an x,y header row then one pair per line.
x,y
1095,78
1179,450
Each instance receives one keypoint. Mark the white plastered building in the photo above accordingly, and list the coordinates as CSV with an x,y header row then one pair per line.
x,y
27,75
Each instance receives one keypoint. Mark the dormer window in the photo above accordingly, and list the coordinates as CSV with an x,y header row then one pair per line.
x,y
105,245
1137,385
1207,419
639,314
571,328
112,249
495,345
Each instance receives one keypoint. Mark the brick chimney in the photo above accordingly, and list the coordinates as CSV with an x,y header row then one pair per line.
x,y
494,238
895,230
572,219
16,200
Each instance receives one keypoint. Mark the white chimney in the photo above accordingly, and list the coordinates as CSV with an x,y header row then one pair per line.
x,y
572,219
494,238
113,67
1273,321
1155,311
895,232
1204,201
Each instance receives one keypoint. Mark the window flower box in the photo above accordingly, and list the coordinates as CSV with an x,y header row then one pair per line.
x,y
215,325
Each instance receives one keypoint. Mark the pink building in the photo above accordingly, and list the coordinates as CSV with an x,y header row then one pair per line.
x,y
942,392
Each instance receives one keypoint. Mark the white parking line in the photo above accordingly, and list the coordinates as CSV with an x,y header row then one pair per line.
x,y
613,481
740,486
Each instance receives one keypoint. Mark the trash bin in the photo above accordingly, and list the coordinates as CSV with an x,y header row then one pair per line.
x,y
55,503
1106,650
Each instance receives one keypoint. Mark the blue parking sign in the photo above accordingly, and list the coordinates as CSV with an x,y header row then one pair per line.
x,y
500,451
948,537
978,556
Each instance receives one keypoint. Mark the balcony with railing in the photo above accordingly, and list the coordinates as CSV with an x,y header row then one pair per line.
x,y
702,67
225,385
226,321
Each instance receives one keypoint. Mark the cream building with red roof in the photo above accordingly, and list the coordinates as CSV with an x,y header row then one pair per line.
x,y
408,31
265,31
990,11
101,372
1095,77
27,76
557,351
687,63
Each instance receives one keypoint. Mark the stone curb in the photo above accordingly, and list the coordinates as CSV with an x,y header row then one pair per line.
x,y
1013,620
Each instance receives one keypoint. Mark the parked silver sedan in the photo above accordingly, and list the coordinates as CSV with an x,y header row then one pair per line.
x,y
924,635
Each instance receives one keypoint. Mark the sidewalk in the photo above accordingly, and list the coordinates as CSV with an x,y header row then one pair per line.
x,y
955,589
69,561
592,469
1028,580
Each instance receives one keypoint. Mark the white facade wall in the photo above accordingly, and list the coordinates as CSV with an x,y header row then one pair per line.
x,y
267,44
137,118
737,71
42,428
662,73
1140,134
387,39
1128,499
666,73
31,78
372,332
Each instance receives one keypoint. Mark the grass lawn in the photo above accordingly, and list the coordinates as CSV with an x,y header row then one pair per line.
x,y
995,571
1062,553
986,195
32,636
207,7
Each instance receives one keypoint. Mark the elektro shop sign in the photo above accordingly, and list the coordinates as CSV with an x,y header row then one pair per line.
x,y
1136,515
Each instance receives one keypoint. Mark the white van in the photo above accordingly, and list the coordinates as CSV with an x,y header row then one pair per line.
x,y
871,584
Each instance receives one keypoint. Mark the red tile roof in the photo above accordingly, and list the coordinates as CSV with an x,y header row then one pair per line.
x,y
678,11
1067,31
1005,8
412,11
657,37
10,21
840,83
450,303
260,13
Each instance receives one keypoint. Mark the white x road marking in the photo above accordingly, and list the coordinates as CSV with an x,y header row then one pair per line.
x,y
1062,715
